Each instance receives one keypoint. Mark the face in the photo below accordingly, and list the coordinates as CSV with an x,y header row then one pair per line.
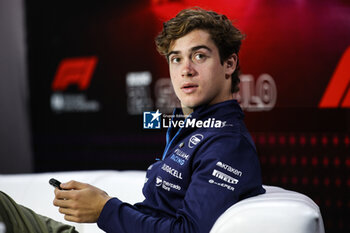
x,y
196,72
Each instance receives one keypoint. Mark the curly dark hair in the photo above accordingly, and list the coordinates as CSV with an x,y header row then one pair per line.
x,y
226,37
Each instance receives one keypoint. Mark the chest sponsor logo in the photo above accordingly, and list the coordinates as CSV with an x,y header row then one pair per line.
x,y
177,159
159,181
224,177
194,140
182,154
180,157
229,168
166,185
172,171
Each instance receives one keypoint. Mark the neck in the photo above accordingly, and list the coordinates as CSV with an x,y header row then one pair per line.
x,y
186,111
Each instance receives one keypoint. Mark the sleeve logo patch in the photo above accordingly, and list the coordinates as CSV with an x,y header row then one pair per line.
x,y
229,168
224,177
229,187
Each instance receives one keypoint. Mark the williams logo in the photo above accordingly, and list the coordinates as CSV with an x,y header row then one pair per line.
x,y
194,140
151,120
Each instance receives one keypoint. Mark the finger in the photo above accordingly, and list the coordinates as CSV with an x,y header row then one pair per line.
x,y
73,185
61,194
72,218
67,194
67,211
72,215
56,190
63,203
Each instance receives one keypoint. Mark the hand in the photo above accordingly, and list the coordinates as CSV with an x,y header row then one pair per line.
x,y
80,202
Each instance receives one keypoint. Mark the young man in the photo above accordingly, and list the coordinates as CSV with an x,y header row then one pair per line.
x,y
204,170
209,163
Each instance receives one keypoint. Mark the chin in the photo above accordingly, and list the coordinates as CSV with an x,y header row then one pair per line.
x,y
193,101
191,105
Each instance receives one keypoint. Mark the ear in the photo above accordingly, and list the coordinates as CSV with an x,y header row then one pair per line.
x,y
230,65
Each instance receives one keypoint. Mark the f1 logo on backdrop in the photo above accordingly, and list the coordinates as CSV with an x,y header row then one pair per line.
x,y
74,71
337,93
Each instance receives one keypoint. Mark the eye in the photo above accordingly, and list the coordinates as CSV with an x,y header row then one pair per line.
x,y
175,60
199,57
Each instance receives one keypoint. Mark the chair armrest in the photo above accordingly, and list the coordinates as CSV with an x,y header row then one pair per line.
x,y
276,211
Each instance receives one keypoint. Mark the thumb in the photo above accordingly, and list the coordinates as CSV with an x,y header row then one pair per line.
x,y
73,185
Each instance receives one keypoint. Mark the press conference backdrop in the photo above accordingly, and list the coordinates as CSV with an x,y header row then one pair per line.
x,y
94,71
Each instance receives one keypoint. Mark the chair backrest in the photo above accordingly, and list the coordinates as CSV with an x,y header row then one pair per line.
x,y
276,211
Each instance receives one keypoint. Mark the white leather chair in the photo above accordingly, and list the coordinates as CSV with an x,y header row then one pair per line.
x,y
277,211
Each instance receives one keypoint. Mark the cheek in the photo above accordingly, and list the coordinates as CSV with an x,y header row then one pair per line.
x,y
174,82
173,76
173,79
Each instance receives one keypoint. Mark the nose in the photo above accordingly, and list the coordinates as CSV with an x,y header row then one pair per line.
x,y
188,69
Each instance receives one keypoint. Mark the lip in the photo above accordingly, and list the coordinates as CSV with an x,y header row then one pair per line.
x,y
189,88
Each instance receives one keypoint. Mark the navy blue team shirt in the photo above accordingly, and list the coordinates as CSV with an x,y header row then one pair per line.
x,y
205,169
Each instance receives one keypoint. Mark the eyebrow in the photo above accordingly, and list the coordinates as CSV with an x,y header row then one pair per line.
x,y
193,49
